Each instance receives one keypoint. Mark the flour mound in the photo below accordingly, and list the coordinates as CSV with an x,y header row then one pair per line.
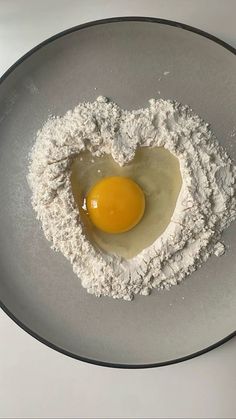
x,y
205,207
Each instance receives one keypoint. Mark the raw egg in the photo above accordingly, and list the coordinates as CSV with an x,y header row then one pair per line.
x,y
115,204
155,172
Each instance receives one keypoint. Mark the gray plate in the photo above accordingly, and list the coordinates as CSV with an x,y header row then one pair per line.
x,y
124,59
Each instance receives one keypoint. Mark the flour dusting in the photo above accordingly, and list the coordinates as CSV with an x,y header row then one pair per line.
x,y
206,204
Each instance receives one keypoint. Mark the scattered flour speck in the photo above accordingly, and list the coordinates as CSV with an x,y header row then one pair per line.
x,y
219,249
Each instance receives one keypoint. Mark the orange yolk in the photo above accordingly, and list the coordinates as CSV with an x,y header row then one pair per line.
x,y
115,204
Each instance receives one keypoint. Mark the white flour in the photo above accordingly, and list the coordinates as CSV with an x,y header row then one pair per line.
x,y
205,207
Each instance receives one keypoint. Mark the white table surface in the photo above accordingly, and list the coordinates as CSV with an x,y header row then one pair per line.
x,y
37,382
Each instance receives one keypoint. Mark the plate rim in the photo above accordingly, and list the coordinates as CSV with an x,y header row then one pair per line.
x,y
4,77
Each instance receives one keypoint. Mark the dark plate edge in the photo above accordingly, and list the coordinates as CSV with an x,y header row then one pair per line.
x,y
5,75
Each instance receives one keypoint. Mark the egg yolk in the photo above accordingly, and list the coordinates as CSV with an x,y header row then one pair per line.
x,y
115,204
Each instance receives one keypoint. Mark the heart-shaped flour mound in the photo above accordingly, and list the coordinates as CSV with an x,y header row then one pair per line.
x,y
206,204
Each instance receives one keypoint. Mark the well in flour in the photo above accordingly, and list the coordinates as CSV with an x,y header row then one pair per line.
x,y
205,207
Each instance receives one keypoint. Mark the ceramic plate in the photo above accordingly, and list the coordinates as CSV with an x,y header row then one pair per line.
x,y
129,60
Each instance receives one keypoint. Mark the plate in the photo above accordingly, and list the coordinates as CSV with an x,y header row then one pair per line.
x,y
129,60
